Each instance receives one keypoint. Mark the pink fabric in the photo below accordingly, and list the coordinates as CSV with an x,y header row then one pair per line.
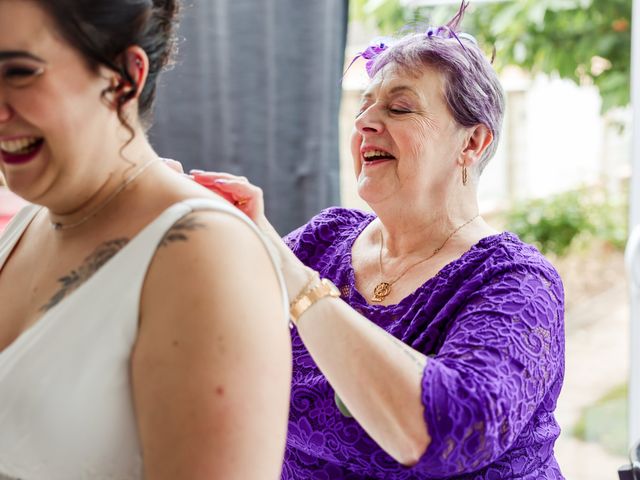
x,y
9,206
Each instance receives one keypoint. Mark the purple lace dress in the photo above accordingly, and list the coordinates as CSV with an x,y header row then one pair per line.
x,y
491,323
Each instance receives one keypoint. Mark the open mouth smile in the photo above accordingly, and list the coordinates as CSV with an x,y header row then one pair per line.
x,y
20,150
376,156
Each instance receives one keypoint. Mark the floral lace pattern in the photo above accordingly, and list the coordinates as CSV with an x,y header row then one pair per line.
x,y
491,323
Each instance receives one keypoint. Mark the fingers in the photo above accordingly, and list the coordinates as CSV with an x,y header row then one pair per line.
x,y
212,176
241,193
173,165
236,189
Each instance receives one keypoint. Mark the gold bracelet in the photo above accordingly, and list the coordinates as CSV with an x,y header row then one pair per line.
x,y
313,280
313,292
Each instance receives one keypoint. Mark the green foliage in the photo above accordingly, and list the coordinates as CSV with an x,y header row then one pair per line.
x,y
588,41
391,16
551,224
557,223
605,421
563,37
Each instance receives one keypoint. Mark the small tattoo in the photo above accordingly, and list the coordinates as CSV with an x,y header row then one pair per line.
x,y
101,255
410,353
178,232
414,355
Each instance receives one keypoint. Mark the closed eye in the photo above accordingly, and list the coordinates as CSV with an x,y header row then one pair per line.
x,y
398,111
20,76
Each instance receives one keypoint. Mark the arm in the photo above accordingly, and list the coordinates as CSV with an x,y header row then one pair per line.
x,y
377,376
211,367
503,360
482,373
359,359
503,354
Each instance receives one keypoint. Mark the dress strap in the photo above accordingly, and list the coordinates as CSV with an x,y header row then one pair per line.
x,y
146,243
14,230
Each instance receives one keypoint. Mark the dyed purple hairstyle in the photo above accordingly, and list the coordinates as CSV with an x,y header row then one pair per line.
x,y
472,89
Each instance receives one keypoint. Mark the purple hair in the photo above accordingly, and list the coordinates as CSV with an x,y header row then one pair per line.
x,y
472,90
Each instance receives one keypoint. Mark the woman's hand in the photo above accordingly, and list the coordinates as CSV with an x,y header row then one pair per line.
x,y
245,196
238,190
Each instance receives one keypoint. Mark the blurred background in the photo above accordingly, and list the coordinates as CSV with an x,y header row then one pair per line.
x,y
560,180
258,89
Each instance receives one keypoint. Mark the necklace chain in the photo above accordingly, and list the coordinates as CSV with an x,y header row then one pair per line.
x,y
383,289
127,181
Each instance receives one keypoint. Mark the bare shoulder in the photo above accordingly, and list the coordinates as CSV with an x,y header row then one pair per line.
x,y
206,250
202,229
207,256
211,365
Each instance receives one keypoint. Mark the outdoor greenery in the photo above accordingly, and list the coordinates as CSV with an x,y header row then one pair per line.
x,y
557,223
605,421
588,41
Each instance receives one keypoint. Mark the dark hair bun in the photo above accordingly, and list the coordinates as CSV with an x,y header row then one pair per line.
x,y
163,22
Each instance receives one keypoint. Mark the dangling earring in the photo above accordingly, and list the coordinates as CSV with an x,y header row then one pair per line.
x,y
465,175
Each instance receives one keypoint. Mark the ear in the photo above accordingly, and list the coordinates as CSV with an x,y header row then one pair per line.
x,y
136,62
478,139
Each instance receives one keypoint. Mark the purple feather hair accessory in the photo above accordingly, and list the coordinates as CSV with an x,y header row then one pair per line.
x,y
370,54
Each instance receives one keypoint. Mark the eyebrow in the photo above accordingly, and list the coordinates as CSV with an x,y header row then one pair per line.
x,y
11,54
393,91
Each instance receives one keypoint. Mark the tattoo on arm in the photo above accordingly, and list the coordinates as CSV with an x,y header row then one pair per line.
x,y
178,232
410,353
69,283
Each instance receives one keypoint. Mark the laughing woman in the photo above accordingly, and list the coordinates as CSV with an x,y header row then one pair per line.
x,y
444,356
128,345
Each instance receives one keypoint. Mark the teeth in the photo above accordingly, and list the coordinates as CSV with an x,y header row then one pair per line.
x,y
376,153
18,146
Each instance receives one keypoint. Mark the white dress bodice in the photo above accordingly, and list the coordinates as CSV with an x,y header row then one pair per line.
x,y
66,406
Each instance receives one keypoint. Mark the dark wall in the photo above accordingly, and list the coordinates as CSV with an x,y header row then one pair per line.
x,y
256,91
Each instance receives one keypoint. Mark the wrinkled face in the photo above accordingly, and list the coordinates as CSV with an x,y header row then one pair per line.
x,y
53,122
405,143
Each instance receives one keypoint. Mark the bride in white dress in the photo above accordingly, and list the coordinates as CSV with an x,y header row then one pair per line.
x,y
142,320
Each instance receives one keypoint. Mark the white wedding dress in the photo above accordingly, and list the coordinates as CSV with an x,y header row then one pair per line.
x,y
66,409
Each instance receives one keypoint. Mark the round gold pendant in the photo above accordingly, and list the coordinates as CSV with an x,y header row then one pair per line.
x,y
381,291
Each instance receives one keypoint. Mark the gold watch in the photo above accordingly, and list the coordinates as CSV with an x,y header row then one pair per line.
x,y
313,293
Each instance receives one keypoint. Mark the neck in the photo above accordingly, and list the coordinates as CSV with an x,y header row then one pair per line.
x,y
104,191
421,229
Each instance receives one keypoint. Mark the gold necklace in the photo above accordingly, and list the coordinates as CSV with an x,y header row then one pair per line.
x,y
383,289
107,201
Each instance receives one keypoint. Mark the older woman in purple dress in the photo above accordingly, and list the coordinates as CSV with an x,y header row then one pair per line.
x,y
433,346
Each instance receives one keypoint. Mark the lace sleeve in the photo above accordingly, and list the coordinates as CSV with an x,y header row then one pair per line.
x,y
500,358
322,230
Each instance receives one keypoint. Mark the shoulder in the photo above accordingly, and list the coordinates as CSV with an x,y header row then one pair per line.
x,y
210,237
339,217
328,225
504,262
526,257
208,256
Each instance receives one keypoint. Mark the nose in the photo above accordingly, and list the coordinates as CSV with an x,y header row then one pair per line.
x,y
370,121
6,112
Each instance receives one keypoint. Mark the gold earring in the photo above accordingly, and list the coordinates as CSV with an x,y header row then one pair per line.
x,y
465,175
